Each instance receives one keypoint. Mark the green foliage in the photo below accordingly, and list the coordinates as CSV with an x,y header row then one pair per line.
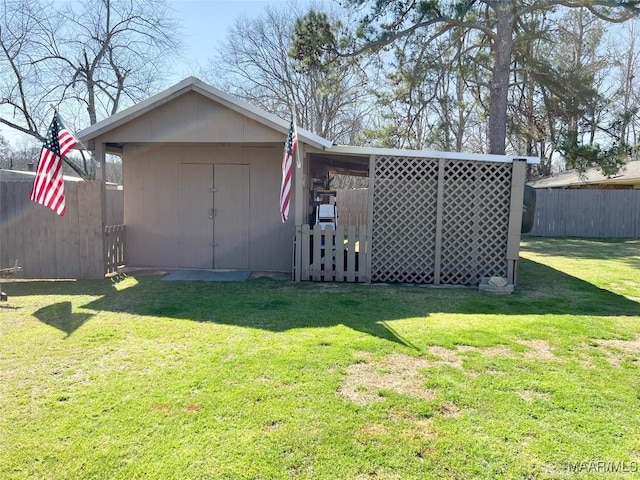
x,y
313,41
582,157
555,81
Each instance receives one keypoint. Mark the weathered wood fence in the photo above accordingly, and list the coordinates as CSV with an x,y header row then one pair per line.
x,y
49,246
352,206
587,213
114,246
333,256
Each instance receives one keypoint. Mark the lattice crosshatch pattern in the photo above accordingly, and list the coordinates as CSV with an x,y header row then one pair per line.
x,y
409,244
404,220
475,223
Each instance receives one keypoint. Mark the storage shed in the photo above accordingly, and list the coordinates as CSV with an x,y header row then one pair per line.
x,y
202,173
201,176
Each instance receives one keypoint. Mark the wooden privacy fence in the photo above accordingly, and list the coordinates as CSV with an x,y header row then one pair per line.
x,y
114,247
332,256
587,213
47,245
352,206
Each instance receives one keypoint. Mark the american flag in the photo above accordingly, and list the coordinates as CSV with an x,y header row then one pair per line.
x,y
48,186
290,147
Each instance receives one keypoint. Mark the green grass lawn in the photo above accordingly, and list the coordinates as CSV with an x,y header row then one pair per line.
x,y
147,379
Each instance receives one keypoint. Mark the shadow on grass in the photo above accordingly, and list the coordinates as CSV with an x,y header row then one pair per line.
x,y
625,250
60,316
277,305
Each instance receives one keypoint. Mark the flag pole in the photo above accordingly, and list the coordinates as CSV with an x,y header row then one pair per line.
x,y
3,296
294,114
299,187
55,109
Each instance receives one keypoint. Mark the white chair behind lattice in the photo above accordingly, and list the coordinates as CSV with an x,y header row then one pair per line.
x,y
327,214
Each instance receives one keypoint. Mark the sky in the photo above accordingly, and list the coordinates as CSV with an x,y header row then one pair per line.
x,y
205,24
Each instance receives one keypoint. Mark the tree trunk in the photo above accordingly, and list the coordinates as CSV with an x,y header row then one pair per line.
x,y
502,48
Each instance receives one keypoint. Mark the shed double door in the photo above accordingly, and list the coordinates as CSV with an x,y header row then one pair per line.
x,y
215,216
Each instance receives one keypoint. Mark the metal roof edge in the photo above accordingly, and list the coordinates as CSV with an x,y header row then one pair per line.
x,y
480,157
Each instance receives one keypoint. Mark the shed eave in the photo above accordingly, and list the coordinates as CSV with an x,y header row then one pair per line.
x,y
397,152
259,115
118,119
87,135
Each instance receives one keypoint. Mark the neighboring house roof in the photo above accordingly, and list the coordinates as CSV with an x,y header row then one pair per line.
x,y
19,175
628,175
193,84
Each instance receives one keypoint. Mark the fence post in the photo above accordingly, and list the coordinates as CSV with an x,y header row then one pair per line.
x,y
297,253
368,259
101,177
305,252
437,266
363,272
316,266
351,253
339,271
518,175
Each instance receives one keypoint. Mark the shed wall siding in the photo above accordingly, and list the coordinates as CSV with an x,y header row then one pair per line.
x,y
152,202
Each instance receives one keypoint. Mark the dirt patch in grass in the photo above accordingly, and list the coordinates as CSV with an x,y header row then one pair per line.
x,y
368,379
374,429
193,408
398,373
447,356
424,427
631,346
537,350
453,358
162,408
449,410
418,429
617,351
531,395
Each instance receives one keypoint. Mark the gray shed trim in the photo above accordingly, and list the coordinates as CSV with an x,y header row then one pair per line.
x,y
396,152
193,84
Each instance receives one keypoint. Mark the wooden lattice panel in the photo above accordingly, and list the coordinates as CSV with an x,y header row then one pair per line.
x,y
404,220
476,204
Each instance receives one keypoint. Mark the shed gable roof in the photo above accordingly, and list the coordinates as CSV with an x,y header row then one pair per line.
x,y
192,84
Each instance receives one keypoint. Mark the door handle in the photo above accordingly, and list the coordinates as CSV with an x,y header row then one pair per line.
x,y
213,213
